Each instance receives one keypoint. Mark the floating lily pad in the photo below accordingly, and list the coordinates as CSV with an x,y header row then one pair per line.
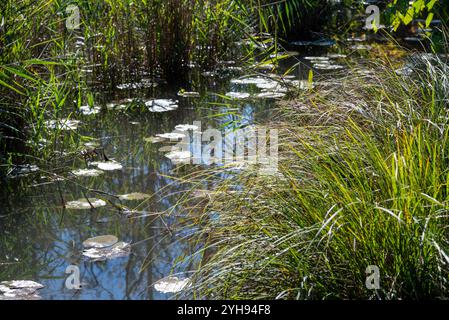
x,y
112,106
171,136
134,196
271,95
161,105
186,127
83,204
167,149
87,172
179,157
361,47
108,165
238,95
336,56
119,249
100,242
264,66
62,124
87,110
19,290
172,284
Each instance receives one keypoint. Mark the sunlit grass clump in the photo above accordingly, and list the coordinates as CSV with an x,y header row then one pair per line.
x,y
363,182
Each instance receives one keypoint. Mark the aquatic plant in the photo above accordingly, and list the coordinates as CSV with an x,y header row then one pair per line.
x,y
362,182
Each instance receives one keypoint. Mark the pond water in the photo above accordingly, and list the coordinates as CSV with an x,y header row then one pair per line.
x,y
39,238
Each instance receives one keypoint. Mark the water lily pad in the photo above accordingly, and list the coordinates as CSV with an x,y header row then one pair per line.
x,y
361,47
171,136
337,56
161,105
271,95
62,124
186,127
87,172
108,165
83,204
134,196
92,145
87,110
100,242
238,95
172,284
120,249
19,290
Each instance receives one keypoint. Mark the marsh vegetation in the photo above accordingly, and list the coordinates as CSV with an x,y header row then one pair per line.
x,y
94,96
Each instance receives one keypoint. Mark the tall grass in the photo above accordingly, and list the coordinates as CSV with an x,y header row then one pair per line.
x,y
363,181
47,70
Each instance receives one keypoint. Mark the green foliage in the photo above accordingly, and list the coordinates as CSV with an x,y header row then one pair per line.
x,y
363,181
402,13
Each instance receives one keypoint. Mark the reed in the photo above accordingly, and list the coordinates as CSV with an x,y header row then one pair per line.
x,y
362,182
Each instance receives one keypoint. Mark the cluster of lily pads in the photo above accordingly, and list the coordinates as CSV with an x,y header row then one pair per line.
x,y
326,62
143,84
270,86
